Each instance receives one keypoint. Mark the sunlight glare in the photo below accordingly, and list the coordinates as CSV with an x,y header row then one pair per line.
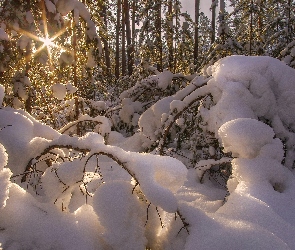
x,y
47,41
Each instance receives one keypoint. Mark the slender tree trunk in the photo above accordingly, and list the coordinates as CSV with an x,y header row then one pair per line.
x,y
118,27
213,9
74,44
105,41
158,24
221,20
251,27
170,35
28,102
128,37
123,50
197,15
175,45
134,9
289,20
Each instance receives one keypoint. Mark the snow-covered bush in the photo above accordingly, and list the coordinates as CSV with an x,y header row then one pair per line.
x,y
232,130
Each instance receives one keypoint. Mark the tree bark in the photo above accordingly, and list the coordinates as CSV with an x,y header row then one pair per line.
x,y
128,37
197,15
105,41
289,20
123,49
213,9
118,27
251,27
158,24
170,36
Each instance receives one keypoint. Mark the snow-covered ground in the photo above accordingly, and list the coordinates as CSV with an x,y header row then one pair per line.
x,y
62,192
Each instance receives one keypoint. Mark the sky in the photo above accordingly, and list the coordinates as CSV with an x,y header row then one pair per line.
x,y
189,6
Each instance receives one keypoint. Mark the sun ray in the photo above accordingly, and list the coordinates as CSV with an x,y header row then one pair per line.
x,y
44,18
46,40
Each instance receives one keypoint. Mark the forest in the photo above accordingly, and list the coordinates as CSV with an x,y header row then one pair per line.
x,y
131,124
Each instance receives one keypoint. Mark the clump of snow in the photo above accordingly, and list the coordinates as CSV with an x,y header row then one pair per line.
x,y
66,6
59,91
71,89
3,157
90,59
33,225
50,6
159,177
177,105
23,42
4,177
244,137
121,215
129,111
2,94
3,35
29,17
19,130
150,120
99,105
164,79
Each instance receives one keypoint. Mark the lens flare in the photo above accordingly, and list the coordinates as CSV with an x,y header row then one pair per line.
x,y
47,41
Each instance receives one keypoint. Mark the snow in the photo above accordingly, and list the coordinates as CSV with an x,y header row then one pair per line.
x,y
71,89
244,137
29,17
119,216
112,195
80,10
50,6
90,59
3,35
2,94
59,91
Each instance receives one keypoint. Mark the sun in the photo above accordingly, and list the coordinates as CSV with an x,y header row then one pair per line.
x,y
48,42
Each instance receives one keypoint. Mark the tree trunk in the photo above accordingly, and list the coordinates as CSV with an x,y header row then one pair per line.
x,y
128,37
213,9
123,41
251,27
118,26
175,45
104,40
289,20
197,14
170,35
158,24
28,102
221,20
134,9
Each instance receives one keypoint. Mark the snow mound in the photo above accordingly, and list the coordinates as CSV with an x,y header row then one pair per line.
x,y
120,213
244,137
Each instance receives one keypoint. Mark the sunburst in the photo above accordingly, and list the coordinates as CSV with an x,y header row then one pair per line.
x,y
47,42
45,39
